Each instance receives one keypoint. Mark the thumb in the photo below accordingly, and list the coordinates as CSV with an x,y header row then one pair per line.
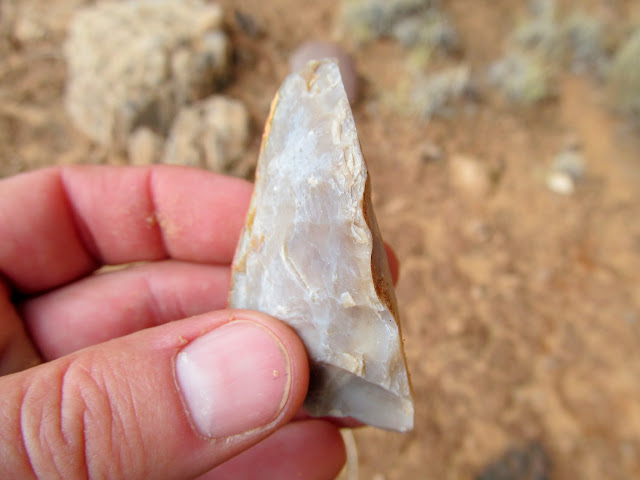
x,y
173,401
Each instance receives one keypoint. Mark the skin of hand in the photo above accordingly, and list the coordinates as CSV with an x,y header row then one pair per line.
x,y
141,373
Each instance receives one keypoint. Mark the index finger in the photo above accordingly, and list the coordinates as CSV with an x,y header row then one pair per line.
x,y
59,224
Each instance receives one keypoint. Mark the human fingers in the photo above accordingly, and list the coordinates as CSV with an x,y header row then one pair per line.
x,y
16,349
60,224
110,305
311,449
105,306
168,402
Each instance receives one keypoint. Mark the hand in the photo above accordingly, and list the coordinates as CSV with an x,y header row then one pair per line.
x,y
138,373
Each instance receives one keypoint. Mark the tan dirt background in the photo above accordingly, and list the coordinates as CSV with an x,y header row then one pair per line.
x,y
521,307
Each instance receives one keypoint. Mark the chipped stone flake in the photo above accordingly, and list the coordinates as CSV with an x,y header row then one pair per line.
x,y
347,300
321,265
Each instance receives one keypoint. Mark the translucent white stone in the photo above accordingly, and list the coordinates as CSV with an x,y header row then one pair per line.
x,y
311,254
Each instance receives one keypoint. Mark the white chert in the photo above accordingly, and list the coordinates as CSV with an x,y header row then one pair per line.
x,y
311,254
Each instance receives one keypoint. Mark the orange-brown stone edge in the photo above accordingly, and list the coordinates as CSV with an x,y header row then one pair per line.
x,y
380,271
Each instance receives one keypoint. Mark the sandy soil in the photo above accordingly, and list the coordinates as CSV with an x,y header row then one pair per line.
x,y
521,307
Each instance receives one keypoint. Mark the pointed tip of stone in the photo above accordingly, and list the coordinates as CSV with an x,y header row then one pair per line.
x,y
311,254
308,72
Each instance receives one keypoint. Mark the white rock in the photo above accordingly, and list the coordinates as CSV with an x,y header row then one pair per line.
x,y
211,134
469,176
560,182
311,254
567,170
136,63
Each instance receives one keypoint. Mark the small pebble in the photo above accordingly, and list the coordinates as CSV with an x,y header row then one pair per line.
x,y
567,169
317,51
561,183
469,176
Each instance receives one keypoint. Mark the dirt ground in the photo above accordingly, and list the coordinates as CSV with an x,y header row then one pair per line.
x,y
520,307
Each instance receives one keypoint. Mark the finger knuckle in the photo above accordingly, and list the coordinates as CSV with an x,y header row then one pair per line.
x,y
80,422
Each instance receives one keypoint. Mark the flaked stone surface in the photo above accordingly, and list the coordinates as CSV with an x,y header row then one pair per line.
x,y
315,50
311,254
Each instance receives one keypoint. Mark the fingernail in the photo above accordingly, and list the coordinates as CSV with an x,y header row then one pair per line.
x,y
233,379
